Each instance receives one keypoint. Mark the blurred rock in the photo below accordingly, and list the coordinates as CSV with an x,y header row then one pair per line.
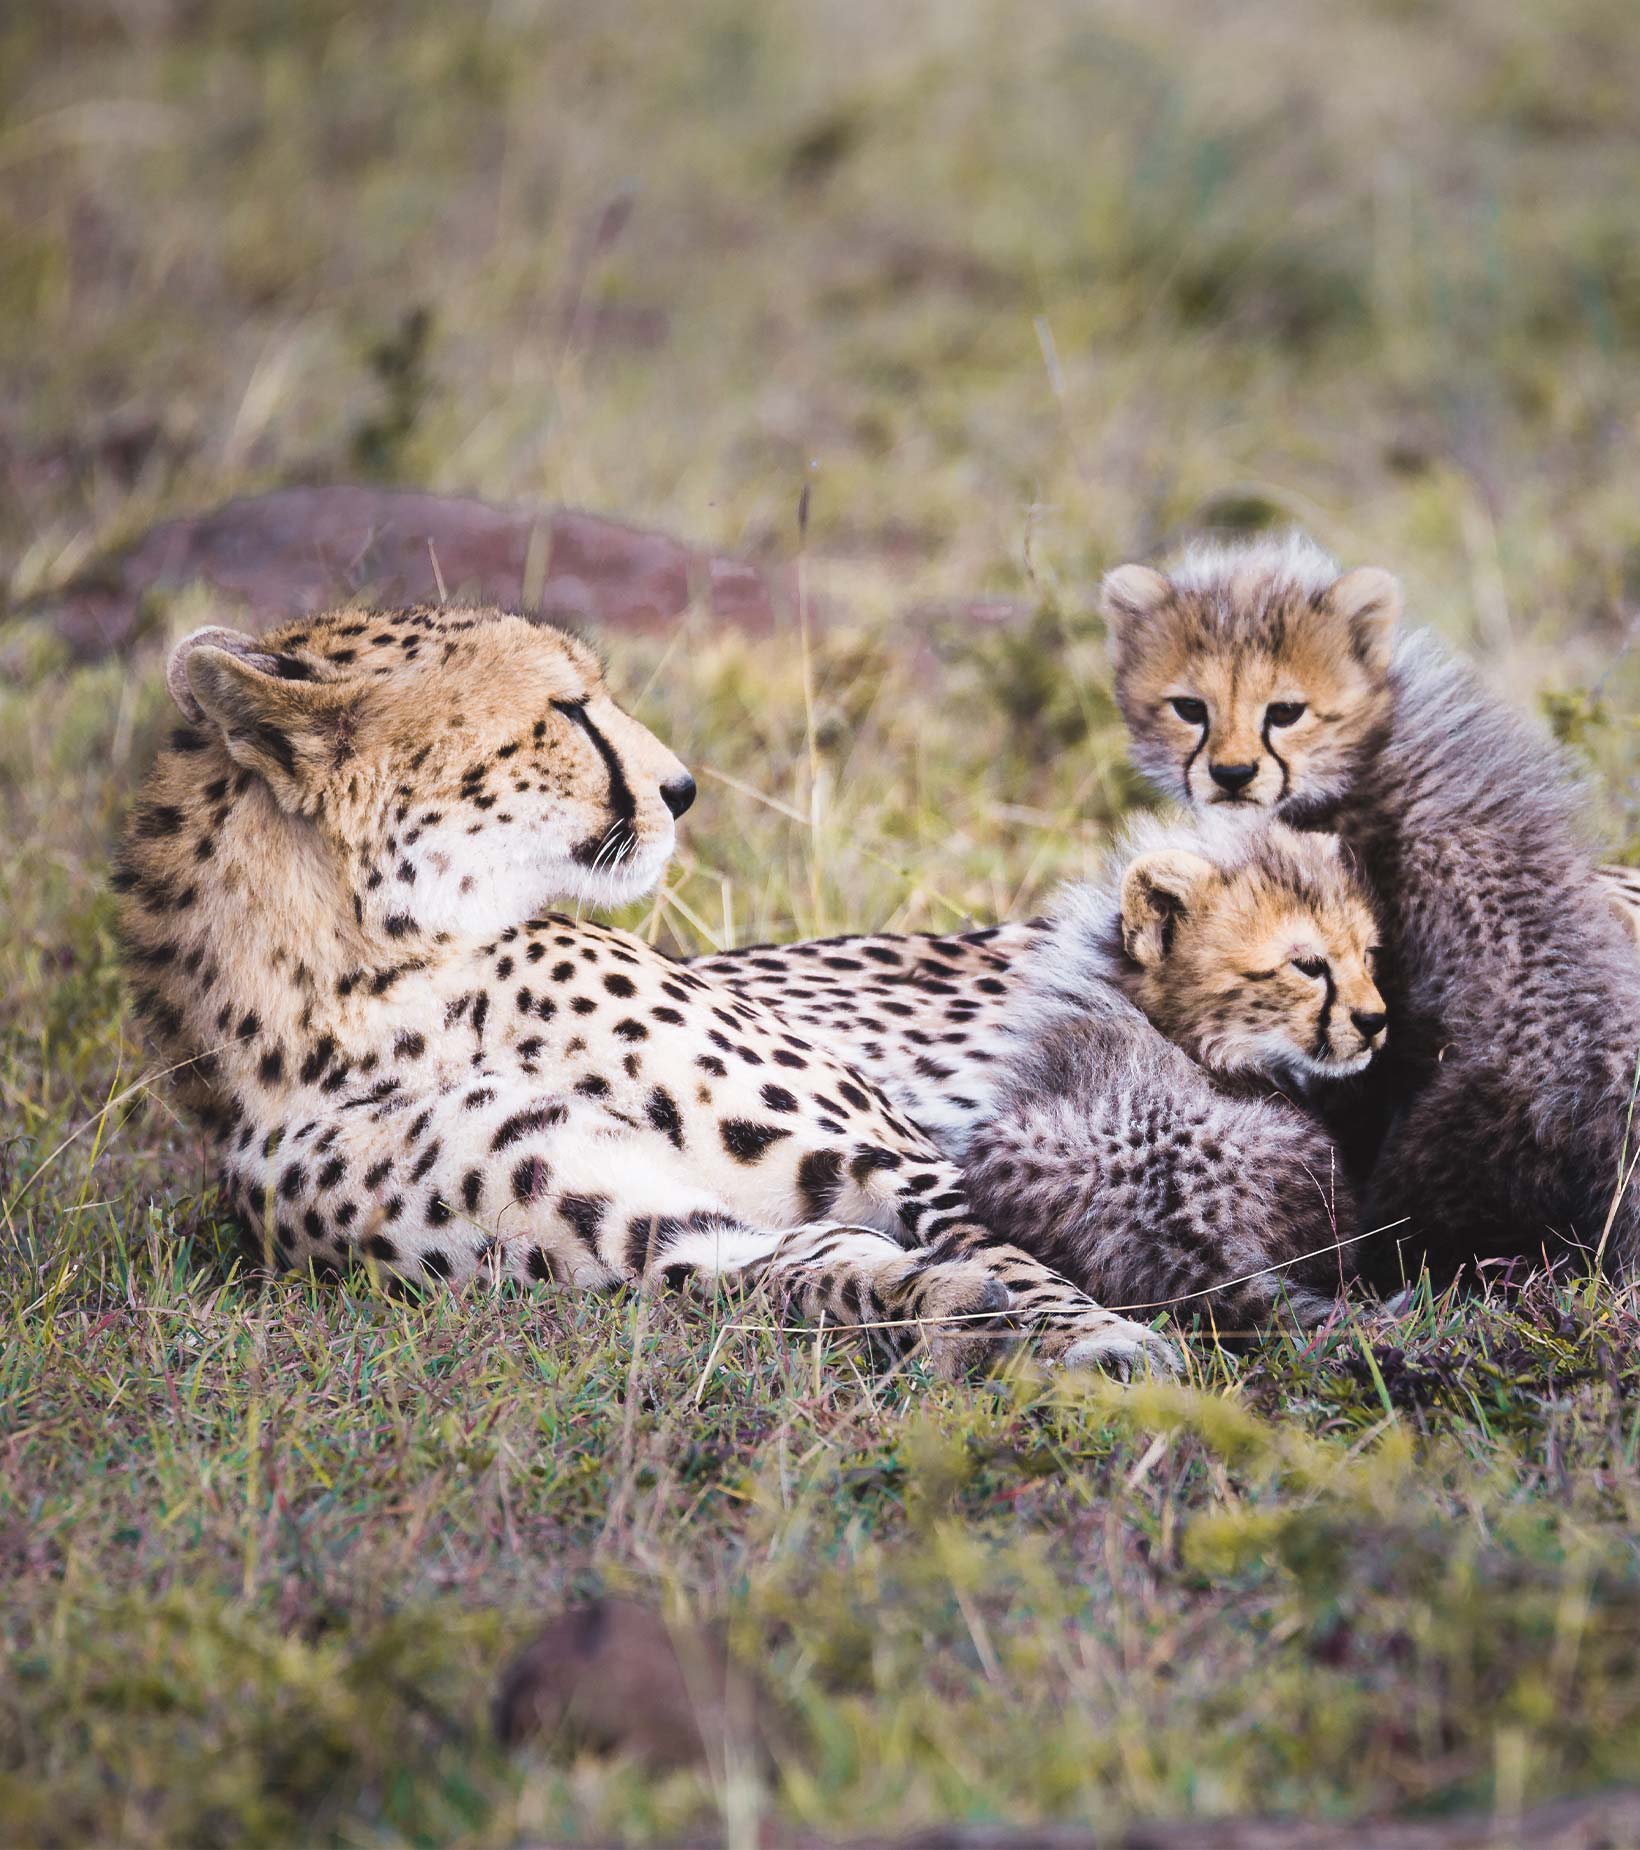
x,y
612,1677
298,550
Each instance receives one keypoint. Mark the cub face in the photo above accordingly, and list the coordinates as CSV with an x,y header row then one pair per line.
x,y
462,770
1252,676
1258,962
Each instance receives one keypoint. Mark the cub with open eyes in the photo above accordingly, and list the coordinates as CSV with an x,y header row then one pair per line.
x,y
1260,677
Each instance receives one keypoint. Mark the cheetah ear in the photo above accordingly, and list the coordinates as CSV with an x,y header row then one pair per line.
x,y
293,734
1157,891
1129,595
1369,602
235,642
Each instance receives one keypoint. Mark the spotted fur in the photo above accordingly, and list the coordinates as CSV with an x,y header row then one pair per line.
x,y
1502,1122
1256,676
1094,1140
335,905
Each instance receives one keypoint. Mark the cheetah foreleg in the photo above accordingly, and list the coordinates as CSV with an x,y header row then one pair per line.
x,y
849,1277
1065,1327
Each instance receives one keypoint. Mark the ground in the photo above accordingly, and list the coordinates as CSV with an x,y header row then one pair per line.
x,y
1016,293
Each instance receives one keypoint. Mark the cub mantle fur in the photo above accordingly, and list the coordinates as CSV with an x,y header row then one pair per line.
x,y
1253,949
1034,1052
1499,1120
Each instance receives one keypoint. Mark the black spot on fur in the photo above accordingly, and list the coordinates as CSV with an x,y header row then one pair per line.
x,y
874,1158
819,1178
522,1123
530,1179
662,1112
585,1213
747,1142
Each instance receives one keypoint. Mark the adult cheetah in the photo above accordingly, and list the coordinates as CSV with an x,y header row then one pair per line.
x,y
334,894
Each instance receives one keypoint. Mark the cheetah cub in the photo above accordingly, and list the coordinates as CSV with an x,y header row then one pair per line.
x,y
1183,1172
1259,676
335,894
1113,1077
1502,1121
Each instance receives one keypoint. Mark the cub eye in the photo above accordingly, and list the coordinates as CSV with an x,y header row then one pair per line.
x,y
1310,966
1284,712
1192,712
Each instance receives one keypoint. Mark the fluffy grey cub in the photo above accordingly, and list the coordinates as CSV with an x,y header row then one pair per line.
x,y
1174,1172
1501,1122
1512,1127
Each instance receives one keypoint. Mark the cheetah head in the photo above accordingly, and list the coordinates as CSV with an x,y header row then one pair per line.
x,y
465,769
1252,675
1255,949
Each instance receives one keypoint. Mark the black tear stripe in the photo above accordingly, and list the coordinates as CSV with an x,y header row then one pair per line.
x,y
623,809
1286,775
1196,752
1326,1013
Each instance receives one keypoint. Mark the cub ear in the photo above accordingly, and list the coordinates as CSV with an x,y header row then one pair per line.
x,y
1368,601
1157,891
1129,595
293,734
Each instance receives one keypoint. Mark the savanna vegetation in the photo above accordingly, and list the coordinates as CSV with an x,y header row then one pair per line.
x,y
1015,292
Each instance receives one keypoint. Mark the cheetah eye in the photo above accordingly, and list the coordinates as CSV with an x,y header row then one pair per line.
x,y
1284,712
1192,712
571,709
1310,966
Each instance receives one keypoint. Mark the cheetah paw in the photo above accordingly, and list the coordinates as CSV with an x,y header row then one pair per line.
x,y
1117,1346
976,1302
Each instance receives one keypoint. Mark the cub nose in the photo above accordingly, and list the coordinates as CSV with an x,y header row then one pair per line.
x,y
1233,777
678,794
1369,1021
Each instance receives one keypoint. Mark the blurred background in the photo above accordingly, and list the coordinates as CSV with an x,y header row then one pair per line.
x,y
1012,292
1016,291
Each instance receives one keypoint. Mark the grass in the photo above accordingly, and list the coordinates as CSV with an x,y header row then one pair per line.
x,y
1015,294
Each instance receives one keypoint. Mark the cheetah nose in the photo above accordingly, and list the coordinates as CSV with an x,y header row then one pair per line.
x,y
1369,1021
678,794
1233,777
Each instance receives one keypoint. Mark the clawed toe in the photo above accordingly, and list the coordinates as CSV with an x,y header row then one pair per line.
x,y
1121,1349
